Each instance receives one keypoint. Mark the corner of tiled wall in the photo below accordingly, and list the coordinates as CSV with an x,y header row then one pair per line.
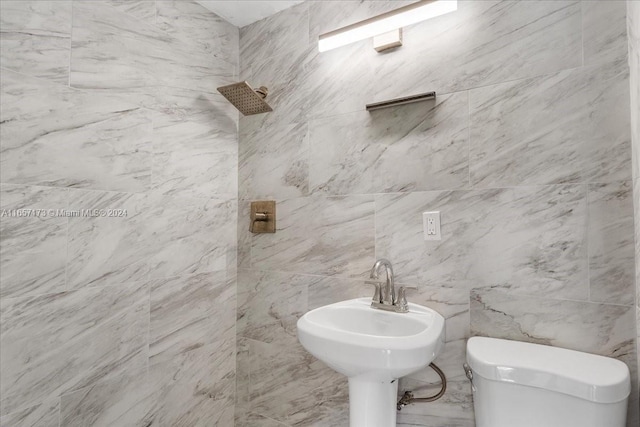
x,y
633,28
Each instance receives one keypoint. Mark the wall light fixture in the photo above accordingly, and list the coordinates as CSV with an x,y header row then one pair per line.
x,y
385,23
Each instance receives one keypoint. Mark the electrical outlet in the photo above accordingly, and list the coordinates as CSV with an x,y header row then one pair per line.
x,y
431,225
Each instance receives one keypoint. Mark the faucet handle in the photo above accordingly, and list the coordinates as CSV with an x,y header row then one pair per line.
x,y
402,298
377,296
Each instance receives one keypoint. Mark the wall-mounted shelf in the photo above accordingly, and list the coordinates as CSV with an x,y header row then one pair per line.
x,y
427,96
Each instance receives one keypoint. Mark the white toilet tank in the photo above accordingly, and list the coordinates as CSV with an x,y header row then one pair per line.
x,y
517,384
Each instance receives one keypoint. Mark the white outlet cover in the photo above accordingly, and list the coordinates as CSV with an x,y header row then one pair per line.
x,y
431,225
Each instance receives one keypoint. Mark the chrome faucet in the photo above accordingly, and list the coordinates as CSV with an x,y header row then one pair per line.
x,y
385,298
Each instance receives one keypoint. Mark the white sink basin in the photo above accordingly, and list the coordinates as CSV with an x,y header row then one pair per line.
x,y
356,340
373,348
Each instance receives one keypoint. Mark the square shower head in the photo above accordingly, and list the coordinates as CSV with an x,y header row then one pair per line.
x,y
245,98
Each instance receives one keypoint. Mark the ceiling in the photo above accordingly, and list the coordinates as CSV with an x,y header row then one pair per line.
x,y
241,13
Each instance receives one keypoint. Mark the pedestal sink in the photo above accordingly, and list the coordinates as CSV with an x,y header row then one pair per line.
x,y
373,348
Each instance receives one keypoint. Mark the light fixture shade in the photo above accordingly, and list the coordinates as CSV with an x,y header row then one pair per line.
x,y
407,15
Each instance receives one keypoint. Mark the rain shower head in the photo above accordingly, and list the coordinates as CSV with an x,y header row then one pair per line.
x,y
246,99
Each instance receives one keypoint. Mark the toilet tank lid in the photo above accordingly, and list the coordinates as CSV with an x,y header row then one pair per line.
x,y
587,376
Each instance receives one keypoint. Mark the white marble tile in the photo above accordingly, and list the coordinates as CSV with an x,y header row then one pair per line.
x,y
328,290
43,415
286,31
244,235
636,197
187,68
242,377
273,161
143,10
319,235
190,312
604,31
483,42
198,389
194,105
33,249
611,245
36,38
192,21
531,240
46,106
191,236
113,154
58,136
341,80
574,123
597,328
633,22
56,343
270,304
123,400
253,420
634,83
194,157
608,148
108,250
422,146
633,25
291,386
194,390
112,51
288,66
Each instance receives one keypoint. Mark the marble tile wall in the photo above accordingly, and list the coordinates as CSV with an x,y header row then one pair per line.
x,y
117,320
633,28
526,153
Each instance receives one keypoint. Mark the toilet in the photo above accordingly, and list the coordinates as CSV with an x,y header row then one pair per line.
x,y
518,384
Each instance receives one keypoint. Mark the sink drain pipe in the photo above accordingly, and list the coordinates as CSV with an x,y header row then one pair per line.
x,y
408,398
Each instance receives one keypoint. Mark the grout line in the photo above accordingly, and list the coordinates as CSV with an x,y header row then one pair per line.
x,y
588,248
41,79
68,236
148,361
70,47
375,228
582,32
510,292
268,418
534,296
248,389
469,138
461,189
426,286
125,283
262,270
